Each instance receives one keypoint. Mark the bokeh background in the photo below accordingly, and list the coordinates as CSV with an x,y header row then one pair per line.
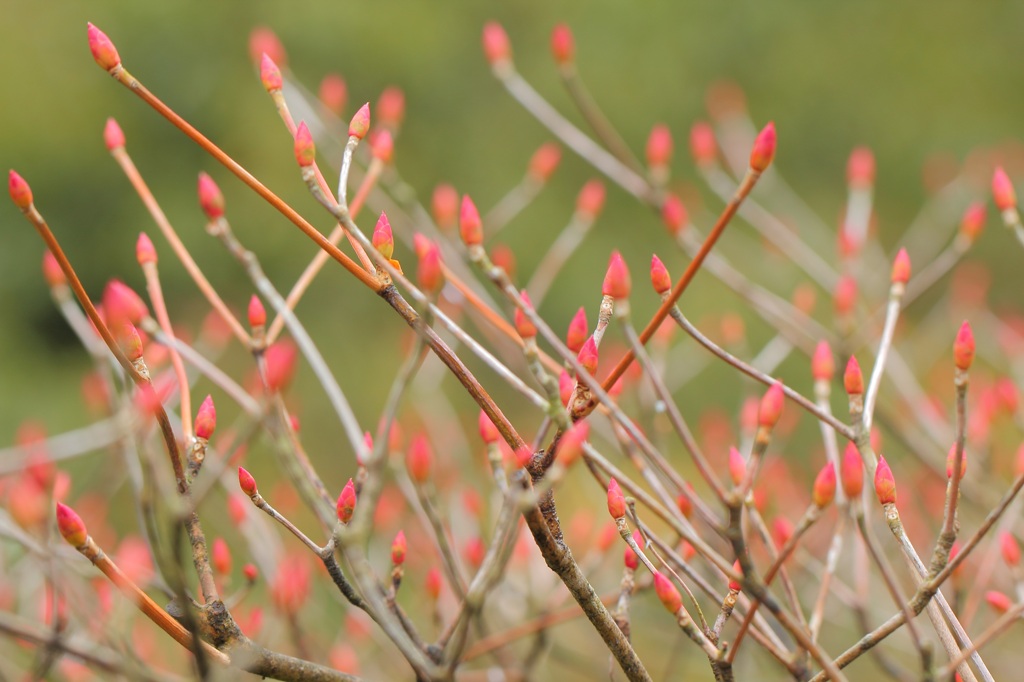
x,y
928,88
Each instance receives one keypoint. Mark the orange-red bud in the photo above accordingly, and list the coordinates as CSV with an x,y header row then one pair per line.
x,y
496,45
420,459
305,150
998,601
901,268
764,149
131,342
21,193
702,143
1002,190
963,347
544,161
488,431
770,408
570,447
823,365
145,252
280,360
845,295
860,169
578,331
71,526
667,593
398,548
360,123
113,136
246,482
973,221
951,462
382,146
852,472
210,198
524,326
206,419
391,107
616,279
470,228
659,146
673,214
383,239
1009,548
824,486
270,74
737,466
444,205
616,500
853,379
333,93
432,583
885,484
563,45
590,200
257,313
734,585
220,556
347,502
429,274
660,279
588,355
250,572
53,273
103,51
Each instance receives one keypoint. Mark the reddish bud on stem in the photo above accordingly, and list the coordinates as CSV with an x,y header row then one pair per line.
x,y
250,572
305,150
973,221
616,279
144,250
21,193
210,198
673,214
470,228
885,484
398,548
382,146
563,45
103,51
383,239
570,448
702,143
951,462
667,593
270,74
853,379
432,583
429,274
246,482
360,123
845,295
616,500
206,419
524,326
131,342
578,331
333,93
347,502
588,355
444,206
496,45
1002,190
852,472
113,136
71,526
860,169
52,272
770,408
544,161
764,149
590,200
1009,548
488,431
660,279
901,268
419,460
737,466
220,556
823,366
280,359
659,146
824,486
998,601
263,40
734,585
963,347
257,313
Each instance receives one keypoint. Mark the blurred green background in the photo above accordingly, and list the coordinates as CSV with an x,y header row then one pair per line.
x,y
912,81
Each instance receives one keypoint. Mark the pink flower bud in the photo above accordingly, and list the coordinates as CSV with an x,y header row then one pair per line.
x,y
263,40
734,585
419,460
333,93
1002,190
973,220
144,250
488,431
246,482
383,239
590,200
347,502
280,360
771,406
852,472
206,419
578,331
444,206
673,214
660,279
496,45
113,136
570,447
764,149
853,380
210,198
470,227
823,365
524,326
588,355
250,572
563,45
305,150
737,466
860,169
382,146
824,486
103,51
885,484
398,548
845,295
220,556
566,385
616,500
131,342
667,593
52,271
360,123
951,462
432,583
685,502
963,347
616,279
121,304
429,274
391,107
901,268
1009,548
659,146
257,313
270,74
71,526
703,147
998,601
21,193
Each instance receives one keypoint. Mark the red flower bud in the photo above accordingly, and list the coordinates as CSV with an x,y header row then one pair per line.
x,y
860,169
432,583
398,549
360,123
590,200
444,206
391,107
53,273
206,419
21,193
588,355
131,342
270,74
220,556
659,146
998,601
578,331
470,227
246,482
210,198
544,161
823,366
488,431
563,45
737,466
383,239
280,360
71,526
852,472
257,313
263,40
702,143
660,279
103,51
963,347
853,380
333,93
570,447
347,502
524,326
734,585
685,501
667,593
616,279
824,486
901,268
951,462
429,274
845,295
144,250
522,456
1009,548
250,572
616,500
885,484
673,214
419,460
771,406
764,149
1002,190
496,46
566,385
382,146
973,220
305,150
113,136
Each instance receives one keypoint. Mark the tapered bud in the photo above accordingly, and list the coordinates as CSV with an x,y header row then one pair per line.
x,y
616,500
659,146
845,295
522,456
860,168
782,531
998,601
963,347
544,162
496,45
220,556
1002,190
131,342
333,93
360,123
210,198
885,484
144,250
901,268
347,502
578,331
470,227
566,386
103,51
280,360
570,448
257,313
270,74
383,239
737,466
734,585
429,274
824,486
420,459
263,40
250,572
629,557
563,45
660,279
770,408
764,149
488,431
524,326
305,150
382,146
432,583
21,193
398,548
391,107
246,482
702,143
590,200
823,365
853,379
852,472
52,271
71,526
588,355
616,278
673,214
667,593
113,136
951,462
1009,548
973,221
444,205
206,419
